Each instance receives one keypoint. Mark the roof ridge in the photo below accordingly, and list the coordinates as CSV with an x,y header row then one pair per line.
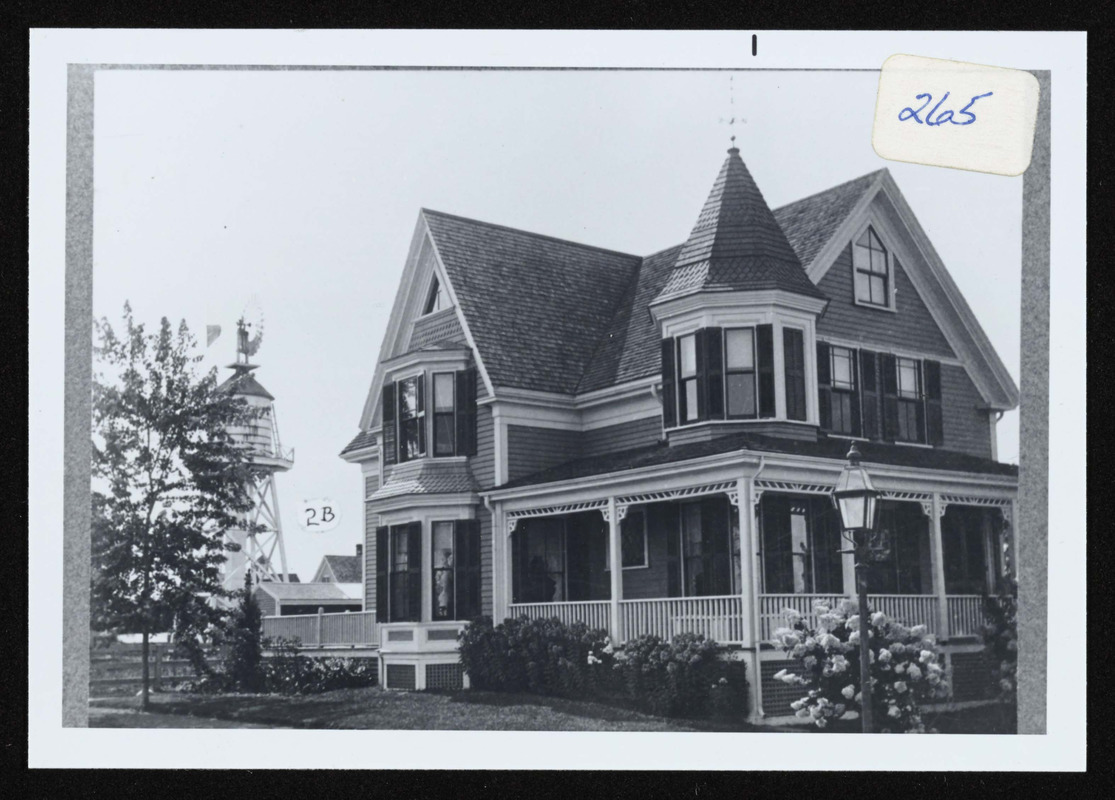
x,y
528,233
830,189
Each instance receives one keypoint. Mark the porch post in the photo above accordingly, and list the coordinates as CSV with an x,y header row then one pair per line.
x,y
749,590
616,551
937,553
500,545
1012,539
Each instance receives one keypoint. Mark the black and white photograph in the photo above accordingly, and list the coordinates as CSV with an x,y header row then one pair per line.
x,y
598,398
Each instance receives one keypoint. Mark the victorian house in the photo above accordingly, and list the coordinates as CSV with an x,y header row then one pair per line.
x,y
648,443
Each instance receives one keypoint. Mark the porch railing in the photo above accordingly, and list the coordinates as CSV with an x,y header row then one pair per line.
x,y
965,614
323,630
594,613
907,609
719,618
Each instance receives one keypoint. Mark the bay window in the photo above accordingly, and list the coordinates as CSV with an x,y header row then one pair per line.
x,y
399,573
455,583
739,362
451,422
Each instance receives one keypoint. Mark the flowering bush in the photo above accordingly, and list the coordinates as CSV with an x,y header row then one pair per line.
x,y
905,671
1000,640
685,677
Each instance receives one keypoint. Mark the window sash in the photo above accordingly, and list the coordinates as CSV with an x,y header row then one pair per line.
x,y
872,275
444,581
909,378
843,374
741,385
444,384
687,363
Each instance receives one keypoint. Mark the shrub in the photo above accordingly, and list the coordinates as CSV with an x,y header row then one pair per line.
x,y
1000,639
540,656
688,677
905,670
244,666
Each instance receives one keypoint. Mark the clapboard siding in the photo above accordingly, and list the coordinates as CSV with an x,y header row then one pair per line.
x,y
967,429
533,449
625,436
485,560
483,464
370,522
912,327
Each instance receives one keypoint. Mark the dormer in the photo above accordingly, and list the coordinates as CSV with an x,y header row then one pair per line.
x,y
737,321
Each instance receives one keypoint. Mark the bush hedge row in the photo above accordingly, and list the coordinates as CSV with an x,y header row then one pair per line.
x,y
690,676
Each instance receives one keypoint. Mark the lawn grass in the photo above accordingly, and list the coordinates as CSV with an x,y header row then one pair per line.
x,y
377,709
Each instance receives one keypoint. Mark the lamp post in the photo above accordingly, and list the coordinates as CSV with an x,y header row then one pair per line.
x,y
858,503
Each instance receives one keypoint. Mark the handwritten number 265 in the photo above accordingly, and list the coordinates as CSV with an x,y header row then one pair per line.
x,y
945,116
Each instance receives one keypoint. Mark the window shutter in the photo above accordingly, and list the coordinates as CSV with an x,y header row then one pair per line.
x,y
414,571
764,336
714,367
857,426
934,418
669,393
466,412
824,385
466,557
390,451
382,564
869,393
890,396
702,374
672,524
793,352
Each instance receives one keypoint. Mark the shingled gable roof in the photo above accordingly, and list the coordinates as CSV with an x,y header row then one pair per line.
x,y
809,223
737,243
536,306
346,569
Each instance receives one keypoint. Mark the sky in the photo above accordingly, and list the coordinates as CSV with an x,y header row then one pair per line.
x,y
300,191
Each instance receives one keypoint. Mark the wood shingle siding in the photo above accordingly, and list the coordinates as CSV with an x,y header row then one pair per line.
x,y
484,462
534,449
966,428
912,328
443,326
626,435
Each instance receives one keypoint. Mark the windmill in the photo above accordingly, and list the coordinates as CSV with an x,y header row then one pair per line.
x,y
261,538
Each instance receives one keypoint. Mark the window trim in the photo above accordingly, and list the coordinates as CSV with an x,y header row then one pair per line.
x,y
905,401
844,391
683,381
891,304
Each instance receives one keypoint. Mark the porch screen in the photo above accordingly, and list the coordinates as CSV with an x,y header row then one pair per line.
x,y
800,545
903,565
538,554
706,553
965,540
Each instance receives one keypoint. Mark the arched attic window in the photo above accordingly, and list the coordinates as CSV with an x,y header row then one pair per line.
x,y
436,299
873,277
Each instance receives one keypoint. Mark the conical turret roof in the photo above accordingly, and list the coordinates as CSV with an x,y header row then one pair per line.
x,y
242,382
737,244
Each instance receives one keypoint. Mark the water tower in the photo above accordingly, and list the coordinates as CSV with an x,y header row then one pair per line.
x,y
261,550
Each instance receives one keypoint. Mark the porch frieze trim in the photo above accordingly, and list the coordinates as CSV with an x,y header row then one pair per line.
x,y
925,499
727,487
513,517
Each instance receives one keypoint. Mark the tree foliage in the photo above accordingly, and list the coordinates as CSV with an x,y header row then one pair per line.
x,y
168,481
245,664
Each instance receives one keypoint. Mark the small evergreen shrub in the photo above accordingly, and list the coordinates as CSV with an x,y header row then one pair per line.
x,y
244,666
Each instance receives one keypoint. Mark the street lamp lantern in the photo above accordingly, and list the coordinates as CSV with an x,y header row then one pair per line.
x,y
855,496
858,503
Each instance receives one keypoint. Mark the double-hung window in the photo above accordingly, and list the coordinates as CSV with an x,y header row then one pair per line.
x,y
910,427
687,378
412,419
843,385
869,264
456,570
739,372
444,416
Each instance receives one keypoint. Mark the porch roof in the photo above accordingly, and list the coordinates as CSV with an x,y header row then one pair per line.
x,y
835,449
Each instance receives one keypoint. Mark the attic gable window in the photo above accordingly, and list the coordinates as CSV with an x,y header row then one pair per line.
x,y
871,270
436,299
